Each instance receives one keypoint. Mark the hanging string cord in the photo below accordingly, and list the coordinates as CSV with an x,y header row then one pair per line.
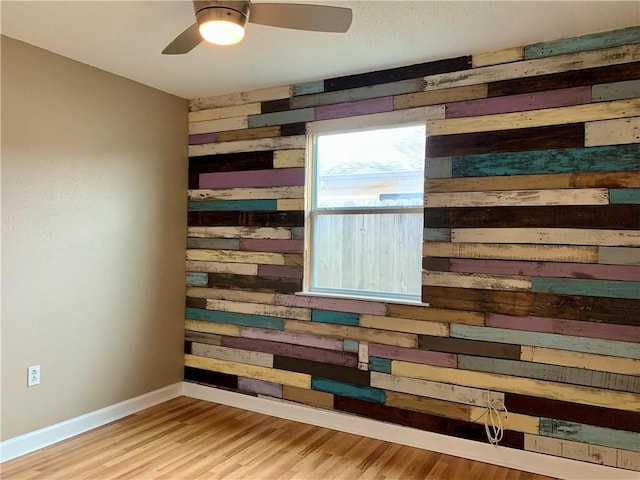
x,y
493,419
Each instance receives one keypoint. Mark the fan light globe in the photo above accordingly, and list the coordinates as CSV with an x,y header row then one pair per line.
x,y
221,32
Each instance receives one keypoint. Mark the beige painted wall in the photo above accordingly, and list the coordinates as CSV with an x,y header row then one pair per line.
x,y
94,179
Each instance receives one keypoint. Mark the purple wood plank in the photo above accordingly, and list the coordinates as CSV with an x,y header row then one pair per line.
x,y
201,138
413,355
259,387
253,178
335,304
519,103
577,328
547,269
295,338
351,109
280,271
294,351
267,245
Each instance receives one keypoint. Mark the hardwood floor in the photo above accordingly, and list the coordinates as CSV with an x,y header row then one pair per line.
x,y
192,439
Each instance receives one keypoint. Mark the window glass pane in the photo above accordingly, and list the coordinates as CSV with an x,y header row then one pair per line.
x,y
373,168
377,253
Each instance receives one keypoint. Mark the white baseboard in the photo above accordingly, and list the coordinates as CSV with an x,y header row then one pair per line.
x,y
29,442
503,456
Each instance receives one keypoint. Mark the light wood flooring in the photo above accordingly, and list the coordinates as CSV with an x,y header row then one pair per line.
x,y
192,439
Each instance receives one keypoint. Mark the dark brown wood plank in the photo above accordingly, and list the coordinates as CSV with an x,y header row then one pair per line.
x,y
469,347
575,216
253,283
478,300
516,140
574,78
246,219
272,106
397,74
210,378
192,302
436,264
324,370
620,311
572,412
227,163
291,129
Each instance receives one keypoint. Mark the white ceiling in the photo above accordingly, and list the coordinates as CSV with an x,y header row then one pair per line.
x,y
126,38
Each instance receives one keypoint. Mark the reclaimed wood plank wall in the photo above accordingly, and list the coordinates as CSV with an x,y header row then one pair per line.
x,y
531,259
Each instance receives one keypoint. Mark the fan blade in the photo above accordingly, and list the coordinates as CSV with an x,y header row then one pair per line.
x,y
185,42
317,18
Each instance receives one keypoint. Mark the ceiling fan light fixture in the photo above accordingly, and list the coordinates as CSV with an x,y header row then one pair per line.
x,y
221,25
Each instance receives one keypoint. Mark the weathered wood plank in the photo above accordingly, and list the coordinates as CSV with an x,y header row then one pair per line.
x,y
612,132
354,108
220,267
438,97
469,347
224,112
324,370
231,162
282,271
252,145
548,340
221,125
436,234
288,158
292,351
426,313
208,338
583,43
615,91
246,219
358,94
240,319
621,311
412,355
629,460
254,283
619,256
281,118
576,328
294,379
232,295
564,236
410,115
538,118
259,387
506,55
514,140
606,437
530,68
256,178
377,364
308,88
434,390
213,328
290,204
519,198
235,256
259,309
273,246
247,193
437,168
604,363
553,373
339,318
302,339
196,279
335,304
233,205
629,196
478,300
308,397
242,98
396,324
473,280
505,383
354,333
239,232
351,345
336,387
552,253
232,354
198,375
213,243
583,452
516,103
570,78
587,287
203,138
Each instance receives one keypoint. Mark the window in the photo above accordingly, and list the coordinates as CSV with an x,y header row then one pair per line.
x,y
365,218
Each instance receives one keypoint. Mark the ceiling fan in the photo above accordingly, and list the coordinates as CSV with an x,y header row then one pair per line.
x,y
223,22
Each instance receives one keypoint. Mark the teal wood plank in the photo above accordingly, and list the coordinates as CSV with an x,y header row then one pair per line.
x,y
550,340
586,287
350,345
593,41
629,196
297,233
612,158
580,432
607,92
438,167
377,364
308,88
242,319
339,318
552,373
436,234
360,392
281,118
233,205
214,243
197,279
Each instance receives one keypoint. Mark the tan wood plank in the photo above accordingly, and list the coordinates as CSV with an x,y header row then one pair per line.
x,y
232,99
308,397
439,315
612,132
247,134
254,145
235,256
474,280
589,361
222,267
551,253
232,354
221,125
561,236
225,112
232,295
574,196
496,57
437,97
570,449
288,158
247,193
396,324
275,233
296,313
210,327
290,204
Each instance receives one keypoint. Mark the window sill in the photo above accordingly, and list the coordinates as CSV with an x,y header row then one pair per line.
x,y
364,299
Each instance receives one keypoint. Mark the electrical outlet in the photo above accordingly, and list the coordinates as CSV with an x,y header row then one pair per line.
x,y
33,376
